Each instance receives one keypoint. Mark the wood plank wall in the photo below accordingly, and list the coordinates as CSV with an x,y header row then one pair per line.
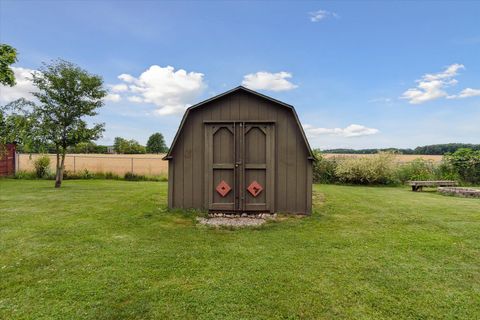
x,y
293,169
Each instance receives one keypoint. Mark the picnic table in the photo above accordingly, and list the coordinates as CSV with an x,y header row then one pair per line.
x,y
418,185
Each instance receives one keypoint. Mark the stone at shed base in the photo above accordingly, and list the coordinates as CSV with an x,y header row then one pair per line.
x,y
230,215
231,222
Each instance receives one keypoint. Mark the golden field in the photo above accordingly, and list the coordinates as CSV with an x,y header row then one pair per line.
x,y
146,164
150,164
399,157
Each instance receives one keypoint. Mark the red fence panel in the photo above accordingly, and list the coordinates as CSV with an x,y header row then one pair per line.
x,y
7,160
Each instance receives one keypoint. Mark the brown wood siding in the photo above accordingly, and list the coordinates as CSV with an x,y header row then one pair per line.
x,y
292,167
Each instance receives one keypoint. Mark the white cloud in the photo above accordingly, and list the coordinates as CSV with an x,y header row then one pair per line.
x,y
122,87
135,99
320,15
114,97
126,77
268,81
171,91
432,86
353,130
22,89
466,93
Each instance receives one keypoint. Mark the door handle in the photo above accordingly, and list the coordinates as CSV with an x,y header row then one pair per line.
x,y
238,164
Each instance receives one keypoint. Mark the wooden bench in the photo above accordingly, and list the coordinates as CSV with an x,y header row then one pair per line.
x,y
418,185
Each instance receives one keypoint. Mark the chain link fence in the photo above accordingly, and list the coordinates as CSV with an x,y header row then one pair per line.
x,y
142,164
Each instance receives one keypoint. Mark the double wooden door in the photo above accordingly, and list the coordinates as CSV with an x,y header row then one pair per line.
x,y
239,166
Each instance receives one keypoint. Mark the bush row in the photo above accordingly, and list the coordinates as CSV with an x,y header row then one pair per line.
x,y
382,168
85,174
42,171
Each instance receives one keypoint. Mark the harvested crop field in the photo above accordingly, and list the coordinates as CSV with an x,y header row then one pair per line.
x,y
398,158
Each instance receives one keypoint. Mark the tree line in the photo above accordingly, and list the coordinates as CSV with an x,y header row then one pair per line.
x,y
434,149
156,144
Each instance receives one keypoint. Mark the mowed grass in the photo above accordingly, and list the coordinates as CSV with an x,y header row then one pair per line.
x,y
110,250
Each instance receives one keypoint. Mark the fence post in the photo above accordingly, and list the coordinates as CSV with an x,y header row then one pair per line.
x,y
132,166
74,166
17,162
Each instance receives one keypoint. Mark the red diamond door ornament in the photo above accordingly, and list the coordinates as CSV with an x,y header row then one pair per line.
x,y
255,188
223,188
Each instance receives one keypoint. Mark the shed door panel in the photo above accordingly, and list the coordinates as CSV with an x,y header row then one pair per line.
x,y
220,160
239,161
258,167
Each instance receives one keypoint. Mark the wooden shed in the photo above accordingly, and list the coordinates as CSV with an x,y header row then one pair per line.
x,y
240,151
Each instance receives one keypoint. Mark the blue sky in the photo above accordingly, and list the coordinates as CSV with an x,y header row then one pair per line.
x,y
360,74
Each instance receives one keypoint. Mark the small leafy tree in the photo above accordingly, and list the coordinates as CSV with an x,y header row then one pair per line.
x,y
18,124
119,145
67,94
42,165
156,143
125,146
8,56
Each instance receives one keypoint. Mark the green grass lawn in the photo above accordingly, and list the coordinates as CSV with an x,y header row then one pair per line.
x,y
99,249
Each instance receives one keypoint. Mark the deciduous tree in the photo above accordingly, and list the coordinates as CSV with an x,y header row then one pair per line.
x,y
18,124
67,94
8,56
156,143
125,146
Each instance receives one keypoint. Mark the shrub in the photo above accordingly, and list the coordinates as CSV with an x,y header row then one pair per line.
x,y
418,169
112,176
42,166
324,169
466,163
445,171
129,176
25,175
83,174
377,169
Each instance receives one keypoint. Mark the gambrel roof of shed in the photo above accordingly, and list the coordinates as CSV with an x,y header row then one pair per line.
x,y
239,88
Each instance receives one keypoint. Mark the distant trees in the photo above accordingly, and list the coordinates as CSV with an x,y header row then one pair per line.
x,y
122,145
88,147
8,56
445,148
435,149
156,144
